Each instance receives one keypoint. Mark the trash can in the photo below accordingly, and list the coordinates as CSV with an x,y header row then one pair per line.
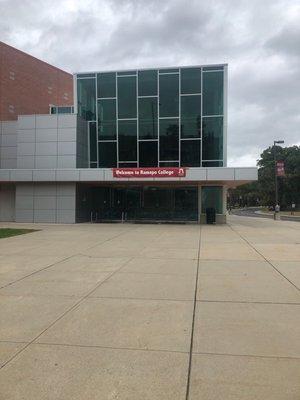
x,y
210,215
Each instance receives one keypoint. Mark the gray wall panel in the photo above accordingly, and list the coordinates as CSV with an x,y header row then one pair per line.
x,y
7,202
46,202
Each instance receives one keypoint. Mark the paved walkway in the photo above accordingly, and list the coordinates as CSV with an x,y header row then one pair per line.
x,y
164,312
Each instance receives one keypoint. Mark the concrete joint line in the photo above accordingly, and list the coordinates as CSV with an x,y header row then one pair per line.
x,y
73,307
193,321
269,262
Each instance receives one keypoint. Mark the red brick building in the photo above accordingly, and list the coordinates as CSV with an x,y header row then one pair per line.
x,y
29,85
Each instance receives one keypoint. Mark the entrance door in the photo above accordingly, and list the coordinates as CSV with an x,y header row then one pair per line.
x,y
133,203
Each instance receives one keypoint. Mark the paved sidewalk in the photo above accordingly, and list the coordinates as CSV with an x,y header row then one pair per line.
x,y
152,312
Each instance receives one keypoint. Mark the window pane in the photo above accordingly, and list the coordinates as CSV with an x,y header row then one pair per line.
x,y
168,139
107,119
213,93
157,198
168,95
106,84
148,118
212,196
190,80
86,75
124,73
213,68
212,138
127,97
147,83
190,153
186,199
127,165
148,153
168,70
169,164
127,131
212,164
190,116
107,154
86,95
93,141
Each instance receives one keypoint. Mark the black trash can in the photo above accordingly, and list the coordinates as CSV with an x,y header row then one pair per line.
x,y
210,215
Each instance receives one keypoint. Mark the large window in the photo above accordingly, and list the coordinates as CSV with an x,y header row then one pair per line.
x,y
190,116
86,94
93,142
156,117
127,140
147,83
212,138
148,153
107,154
169,139
107,129
127,97
190,153
148,118
213,93
190,80
169,95
106,84
212,197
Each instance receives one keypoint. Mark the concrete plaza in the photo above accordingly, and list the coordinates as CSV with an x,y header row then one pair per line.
x,y
153,312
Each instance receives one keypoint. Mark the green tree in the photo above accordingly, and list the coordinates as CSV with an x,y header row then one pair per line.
x,y
262,192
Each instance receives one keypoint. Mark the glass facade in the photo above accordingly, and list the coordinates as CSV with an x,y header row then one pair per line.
x,y
145,203
155,117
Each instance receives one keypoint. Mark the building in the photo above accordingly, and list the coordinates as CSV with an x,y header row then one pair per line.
x,y
29,86
141,145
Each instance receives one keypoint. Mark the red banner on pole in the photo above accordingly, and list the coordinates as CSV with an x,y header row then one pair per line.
x,y
149,172
280,168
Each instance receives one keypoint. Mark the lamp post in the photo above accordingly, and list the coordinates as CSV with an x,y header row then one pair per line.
x,y
275,170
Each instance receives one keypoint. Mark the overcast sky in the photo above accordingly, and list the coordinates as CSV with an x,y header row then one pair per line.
x,y
259,39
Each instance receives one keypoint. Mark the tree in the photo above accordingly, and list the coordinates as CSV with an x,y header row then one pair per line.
x,y
262,192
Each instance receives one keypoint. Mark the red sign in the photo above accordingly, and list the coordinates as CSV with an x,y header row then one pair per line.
x,y
280,168
149,172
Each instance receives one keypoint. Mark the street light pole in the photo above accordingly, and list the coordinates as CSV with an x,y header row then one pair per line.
x,y
275,169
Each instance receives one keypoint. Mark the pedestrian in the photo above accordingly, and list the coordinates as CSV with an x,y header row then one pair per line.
x,y
293,208
276,213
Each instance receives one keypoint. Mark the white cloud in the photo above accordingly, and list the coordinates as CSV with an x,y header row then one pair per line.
x,y
258,39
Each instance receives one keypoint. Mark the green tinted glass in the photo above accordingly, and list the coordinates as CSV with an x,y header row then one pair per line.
x,y
106,84
127,97
190,80
107,154
127,131
190,153
212,197
212,138
190,116
169,164
148,153
169,95
213,68
93,141
148,118
129,72
168,70
86,97
107,119
147,83
212,93
168,139
212,164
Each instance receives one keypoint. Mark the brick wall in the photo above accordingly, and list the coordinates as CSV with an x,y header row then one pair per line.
x,y
29,85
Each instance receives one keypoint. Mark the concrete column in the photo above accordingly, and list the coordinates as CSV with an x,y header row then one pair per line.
x,y
199,204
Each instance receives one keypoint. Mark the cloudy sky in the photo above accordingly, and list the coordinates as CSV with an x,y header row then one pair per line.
x,y
259,39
